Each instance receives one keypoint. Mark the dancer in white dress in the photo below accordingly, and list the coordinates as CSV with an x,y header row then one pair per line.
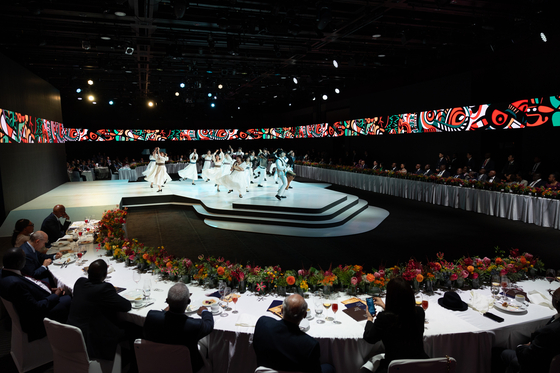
x,y
207,159
237,180
189,172
248,171
226,166
281,170
215,172
160,176
151,167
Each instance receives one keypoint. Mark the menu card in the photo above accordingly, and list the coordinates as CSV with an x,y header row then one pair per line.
x,y
276,308
357,313
354,302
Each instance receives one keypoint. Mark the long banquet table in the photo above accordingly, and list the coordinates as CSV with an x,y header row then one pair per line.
x,y
466,336
529,209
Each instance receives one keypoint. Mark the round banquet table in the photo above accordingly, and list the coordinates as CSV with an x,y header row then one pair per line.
x,y
466,336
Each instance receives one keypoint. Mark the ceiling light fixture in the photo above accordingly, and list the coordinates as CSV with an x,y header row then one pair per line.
x,y
90,82
79,99
376,36
120,14
128,51
336,90
182,85
111,102
220,86
91,98
335,63
381,55
95,103
150,103
78,90
325,97
543,37
105,37
176,93
213,104
295,80
209,94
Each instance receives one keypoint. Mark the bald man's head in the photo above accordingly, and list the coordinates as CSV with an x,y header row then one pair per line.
x,y
14,258
59,210
294,309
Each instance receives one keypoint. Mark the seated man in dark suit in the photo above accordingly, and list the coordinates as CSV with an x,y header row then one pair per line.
x,y
443,172
56,224
32,299
536,355
418,170
537,182
281,345
427,170
94,311
172,326
37,262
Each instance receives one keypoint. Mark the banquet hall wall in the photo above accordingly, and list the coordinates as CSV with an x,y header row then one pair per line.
x,y
28,170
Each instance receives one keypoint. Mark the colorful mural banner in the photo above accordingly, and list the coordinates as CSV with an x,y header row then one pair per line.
x,y
534,112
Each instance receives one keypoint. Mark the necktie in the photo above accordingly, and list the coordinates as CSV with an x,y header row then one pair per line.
x,y
485,162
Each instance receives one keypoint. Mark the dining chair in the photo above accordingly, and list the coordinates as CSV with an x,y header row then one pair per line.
x,y
170,358
555,364
436,365
27,355
70,353
262,369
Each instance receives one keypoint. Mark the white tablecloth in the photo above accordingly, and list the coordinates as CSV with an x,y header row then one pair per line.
x,y
127,174
467,336
90,176
529,209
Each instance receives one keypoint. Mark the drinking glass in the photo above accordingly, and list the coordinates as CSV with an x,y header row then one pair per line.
x,y
327,305
136,277
550,276
418,299
235,299
425,303
505,284
495,286
156,278
225,297
147,288
319,311
335,310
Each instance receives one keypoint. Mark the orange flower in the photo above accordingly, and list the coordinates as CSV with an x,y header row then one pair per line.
x,y
221,271
498,261
470,269
370,277
145,256
419,278
523,260
169,264
358,268
291,280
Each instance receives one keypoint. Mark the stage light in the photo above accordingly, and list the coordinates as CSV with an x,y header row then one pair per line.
x,y
95,103
78,90
290,104
213,104
375,36
543,37
91,98
120,14
128,51
79,99
295,80
239,108
150,103
335,63
314,98
111,102
220,86
325,97
90,82
381,55
105,37
176,93
182,85
336,90
209,94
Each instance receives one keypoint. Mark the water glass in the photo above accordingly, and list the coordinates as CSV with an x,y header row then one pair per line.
x,y
147,288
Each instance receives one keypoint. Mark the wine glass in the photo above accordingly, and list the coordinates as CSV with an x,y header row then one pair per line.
x,y
327,305
418,299
425,303
319,311
235,298
147,288
136,277
495,286
505,284
550,276
79,254
335,310
226,298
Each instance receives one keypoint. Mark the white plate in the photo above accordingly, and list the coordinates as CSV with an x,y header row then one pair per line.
x,y
216,313
134,296
190,310
511,307
304,325
65,259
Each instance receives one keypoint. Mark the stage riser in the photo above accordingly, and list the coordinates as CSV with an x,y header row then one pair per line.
x,y
289,209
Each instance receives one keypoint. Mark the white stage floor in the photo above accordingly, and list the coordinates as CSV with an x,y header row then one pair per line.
x,y
309,210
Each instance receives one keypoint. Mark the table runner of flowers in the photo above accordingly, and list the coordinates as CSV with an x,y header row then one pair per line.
x,y
472,271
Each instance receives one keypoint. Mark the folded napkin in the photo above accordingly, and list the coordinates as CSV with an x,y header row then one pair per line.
x,y
214,294
479,302
542,299
246,320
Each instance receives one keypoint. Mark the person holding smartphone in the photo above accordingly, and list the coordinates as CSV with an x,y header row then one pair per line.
x,y
400,326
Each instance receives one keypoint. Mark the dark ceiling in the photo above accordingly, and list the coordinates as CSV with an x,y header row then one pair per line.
x,y
253,49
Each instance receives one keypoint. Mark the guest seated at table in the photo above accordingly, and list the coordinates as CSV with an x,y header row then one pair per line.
x,y
553,182
427,170
22,231
375,166
394,167
492,178
172,326
536,355
418,170
482,175
94,311
537,182
459,174
37,262
32,299
281,345
400,326
443,172
402,169
56,224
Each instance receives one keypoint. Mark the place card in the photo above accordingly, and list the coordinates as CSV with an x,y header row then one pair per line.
x,y
354,302
357,313
276,308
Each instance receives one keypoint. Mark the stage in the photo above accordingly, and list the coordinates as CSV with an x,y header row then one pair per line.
x,y
309,209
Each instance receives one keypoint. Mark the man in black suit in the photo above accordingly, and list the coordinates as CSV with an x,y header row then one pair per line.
x,y
488,163
418,170
427,170
511,167
492,178
482,175
94,311
537,182
537,166
441,161
32,299
56,224
172,326
470,162
536,355
281,345
37,262
443,172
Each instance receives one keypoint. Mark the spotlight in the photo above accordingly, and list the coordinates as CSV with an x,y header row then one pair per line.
x,y
325,97
95,103
111,102
120,14
79,99
314,98
129,51
91,98
375,36
105,37
150,103
215,97
335,63
213,104
543,37
220,86
381,56
209,94
176,93
78,90
290,104
90,82
295,80
239,108
182,85
336,90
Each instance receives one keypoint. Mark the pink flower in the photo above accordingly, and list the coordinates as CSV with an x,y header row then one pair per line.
x,y
418,271
487,260
300,272
377,274
474,275
131,257
382,273
503,272
528,256
354,281
465,273
453,277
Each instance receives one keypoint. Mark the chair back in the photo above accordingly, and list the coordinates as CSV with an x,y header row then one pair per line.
x,y
27,355
76,176
555,364
69,347
155,357
262,369
435,365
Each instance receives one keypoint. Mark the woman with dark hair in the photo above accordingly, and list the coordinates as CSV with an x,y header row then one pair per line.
x,y
400,326
22,231
553,182
236,180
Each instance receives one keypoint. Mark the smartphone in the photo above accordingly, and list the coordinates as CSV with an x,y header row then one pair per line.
x,y
371,306
493,317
